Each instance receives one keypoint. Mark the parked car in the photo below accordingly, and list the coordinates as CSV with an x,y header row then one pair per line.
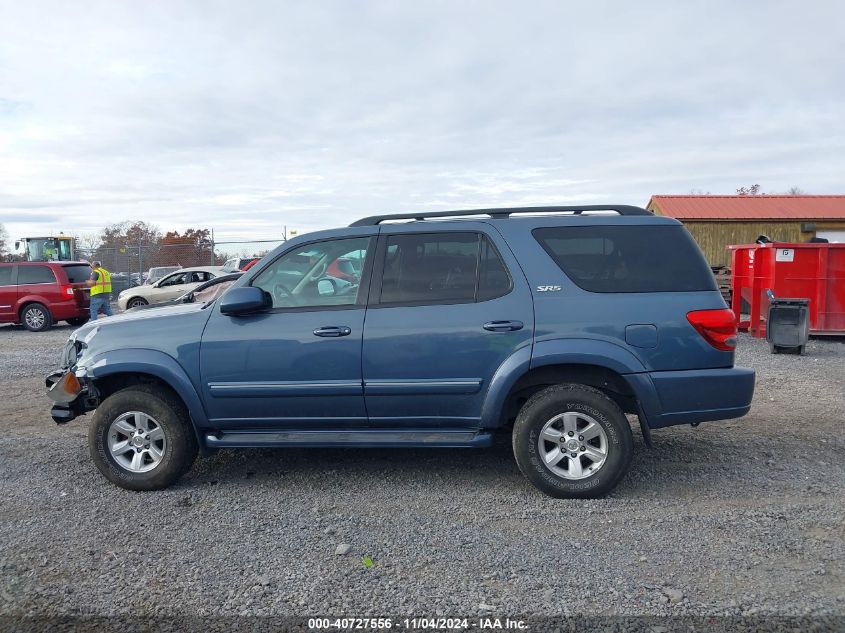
x,y
548,324
167,288
37,294
237,264
204,292
159,272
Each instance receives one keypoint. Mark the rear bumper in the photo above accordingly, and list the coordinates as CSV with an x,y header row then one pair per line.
x,y
686,397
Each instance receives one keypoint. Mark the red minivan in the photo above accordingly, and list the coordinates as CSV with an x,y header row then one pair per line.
x,y
37,294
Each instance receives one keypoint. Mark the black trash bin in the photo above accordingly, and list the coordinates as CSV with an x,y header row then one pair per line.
x,y
788,325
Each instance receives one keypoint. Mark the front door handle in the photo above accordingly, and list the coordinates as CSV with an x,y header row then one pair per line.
x,y
333,331
503,326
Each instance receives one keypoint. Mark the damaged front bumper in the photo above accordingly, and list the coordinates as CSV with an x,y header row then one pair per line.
x,y
72,393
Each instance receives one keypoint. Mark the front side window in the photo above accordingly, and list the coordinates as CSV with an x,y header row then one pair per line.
x,y
442,268
35,275
316,275
173,280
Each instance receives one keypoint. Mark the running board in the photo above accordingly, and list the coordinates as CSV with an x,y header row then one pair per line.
x,y
363,438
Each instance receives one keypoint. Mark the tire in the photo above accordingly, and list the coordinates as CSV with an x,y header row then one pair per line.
x,y
36,317
77,321
135,302
577,408
121,410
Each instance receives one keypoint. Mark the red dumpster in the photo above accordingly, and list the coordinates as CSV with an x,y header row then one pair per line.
x,y
795,271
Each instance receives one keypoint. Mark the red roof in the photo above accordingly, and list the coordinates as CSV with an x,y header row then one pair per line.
x,y
759,207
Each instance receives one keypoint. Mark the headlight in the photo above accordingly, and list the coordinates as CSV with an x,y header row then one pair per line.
x,y
71,351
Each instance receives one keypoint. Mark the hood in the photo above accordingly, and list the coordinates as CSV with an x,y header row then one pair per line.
x,y
139,315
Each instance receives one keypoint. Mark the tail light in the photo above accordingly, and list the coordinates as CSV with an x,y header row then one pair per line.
x,y
67,292
718,327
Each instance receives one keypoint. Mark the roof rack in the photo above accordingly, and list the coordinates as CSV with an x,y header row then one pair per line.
x,y
501,214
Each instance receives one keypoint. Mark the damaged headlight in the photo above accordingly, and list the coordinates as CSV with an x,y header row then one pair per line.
x,y
71,351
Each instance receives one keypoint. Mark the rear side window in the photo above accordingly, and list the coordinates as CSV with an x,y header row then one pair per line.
x,y
628,258
442,268
6,275
77,274
35,275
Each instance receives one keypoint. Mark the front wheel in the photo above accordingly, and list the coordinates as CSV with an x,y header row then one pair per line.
x,y
141,439
136,302
572,441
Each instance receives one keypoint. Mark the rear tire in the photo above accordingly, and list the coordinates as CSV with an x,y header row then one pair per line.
x,y
572,441
36,317
163,453
77,321
135,302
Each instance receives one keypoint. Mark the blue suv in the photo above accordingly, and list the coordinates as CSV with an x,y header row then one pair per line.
x,y
548,323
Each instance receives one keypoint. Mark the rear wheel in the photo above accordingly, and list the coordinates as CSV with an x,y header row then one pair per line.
x,y
36,317
77,321
135,302
572,441
141,439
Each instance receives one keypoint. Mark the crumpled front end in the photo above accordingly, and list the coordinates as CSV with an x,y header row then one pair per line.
x,y
70,388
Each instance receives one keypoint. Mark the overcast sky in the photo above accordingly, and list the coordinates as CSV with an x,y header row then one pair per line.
x,y
246,116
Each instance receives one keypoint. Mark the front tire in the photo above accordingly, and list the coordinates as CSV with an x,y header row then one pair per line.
x,y
572,441
36,317
140,438
136,302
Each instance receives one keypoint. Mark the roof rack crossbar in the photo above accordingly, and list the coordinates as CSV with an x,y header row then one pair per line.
x,y
501,214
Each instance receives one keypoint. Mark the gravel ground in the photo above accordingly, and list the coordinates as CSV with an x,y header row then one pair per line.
x,y
732,518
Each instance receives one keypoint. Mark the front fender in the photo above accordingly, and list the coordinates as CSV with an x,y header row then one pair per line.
x,y
155,363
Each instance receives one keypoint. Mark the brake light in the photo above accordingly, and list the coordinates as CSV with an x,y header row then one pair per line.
x,y
67,292
718,327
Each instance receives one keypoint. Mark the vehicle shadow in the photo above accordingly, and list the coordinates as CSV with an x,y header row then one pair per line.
x,y
682,464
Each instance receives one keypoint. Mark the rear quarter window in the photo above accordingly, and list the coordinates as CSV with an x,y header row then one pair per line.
x,y
35,275
77,274
639,258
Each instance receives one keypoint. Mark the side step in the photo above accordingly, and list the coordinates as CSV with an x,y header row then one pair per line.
x,y
359,438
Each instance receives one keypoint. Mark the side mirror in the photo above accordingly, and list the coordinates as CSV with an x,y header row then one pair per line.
x,y
245,300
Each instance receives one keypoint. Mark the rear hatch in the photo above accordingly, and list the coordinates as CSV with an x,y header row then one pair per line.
x,y
647,285
77,275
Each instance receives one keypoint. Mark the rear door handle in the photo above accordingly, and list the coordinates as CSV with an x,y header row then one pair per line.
x,y
333,331
503,326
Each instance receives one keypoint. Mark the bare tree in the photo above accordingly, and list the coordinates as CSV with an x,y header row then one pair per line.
x,y
698,192
753,190
796,191
3,237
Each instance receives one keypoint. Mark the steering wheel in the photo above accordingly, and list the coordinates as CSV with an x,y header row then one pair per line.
x,y
281,292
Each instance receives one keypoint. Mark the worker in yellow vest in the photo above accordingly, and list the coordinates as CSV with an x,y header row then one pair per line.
x,y
100,284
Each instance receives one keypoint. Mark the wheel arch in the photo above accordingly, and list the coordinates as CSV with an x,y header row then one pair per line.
x,y
25,302
112,371
605,366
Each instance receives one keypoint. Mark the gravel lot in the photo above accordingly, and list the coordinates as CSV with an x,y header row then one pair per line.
x,y
740,517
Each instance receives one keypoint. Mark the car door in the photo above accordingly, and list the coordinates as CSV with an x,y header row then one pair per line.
x,y
297,365
170,287
8,293
447,307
